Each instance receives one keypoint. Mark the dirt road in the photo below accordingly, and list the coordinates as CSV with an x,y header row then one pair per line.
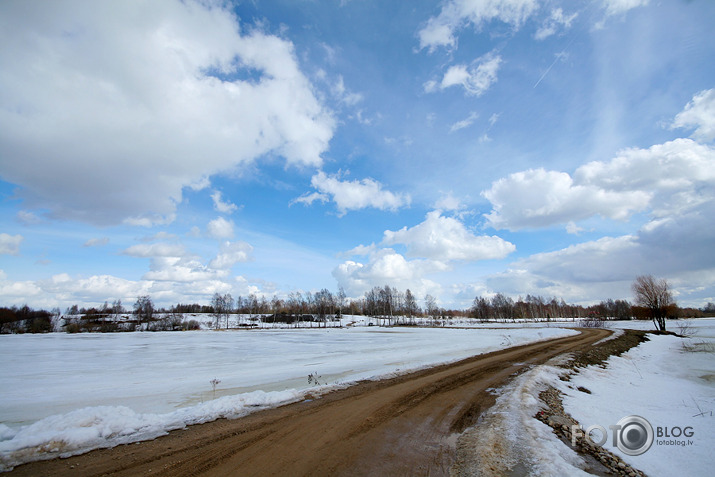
x,y
401,426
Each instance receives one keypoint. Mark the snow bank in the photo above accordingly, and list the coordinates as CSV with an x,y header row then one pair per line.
x,y
664,382
107,426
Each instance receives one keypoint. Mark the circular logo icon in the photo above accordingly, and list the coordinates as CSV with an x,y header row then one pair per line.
x,y
635,435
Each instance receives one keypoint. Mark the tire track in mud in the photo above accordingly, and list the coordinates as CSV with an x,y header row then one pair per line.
x,y
405,425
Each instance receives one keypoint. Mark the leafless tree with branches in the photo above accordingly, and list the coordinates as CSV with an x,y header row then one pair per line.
x,y
655,295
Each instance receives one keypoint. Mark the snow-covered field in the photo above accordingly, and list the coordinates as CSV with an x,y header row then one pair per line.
x,y
62,394
670,385
668,381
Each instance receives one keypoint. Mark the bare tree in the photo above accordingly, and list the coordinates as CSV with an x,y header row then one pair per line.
x,y
144,308
117,309
431,308
410,305
222,305
340,301
324,305
655,295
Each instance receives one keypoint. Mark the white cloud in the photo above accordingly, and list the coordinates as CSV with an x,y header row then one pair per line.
x,y
678,175
352,195
221,206
343,94
387,267
10,244
93,289
433,245
456,14
180,269
464,123
220,228
446,239
97,242
360,250
665,179
573,229
19,293
617,7
115,107
553,23
699,114
476,79
540,198
449,203
678,248
231,254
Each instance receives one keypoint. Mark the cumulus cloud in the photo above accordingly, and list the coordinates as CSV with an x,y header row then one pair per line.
x,y
385,266
220,228
540,198
111,109
665,179
352,195
18,292
175,275
447,239
222,206
181,269
10,244
476,78
679,175
433,246
93,289
231,254
573,229
678,247
456,14
699,114
673,182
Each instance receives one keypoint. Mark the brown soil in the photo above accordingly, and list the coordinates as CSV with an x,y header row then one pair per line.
x,y
598,355
401,426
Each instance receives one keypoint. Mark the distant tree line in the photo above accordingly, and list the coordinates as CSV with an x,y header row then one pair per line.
x,y
386,305
26,320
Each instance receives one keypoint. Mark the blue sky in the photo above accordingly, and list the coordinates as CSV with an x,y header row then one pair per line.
x,y
457,148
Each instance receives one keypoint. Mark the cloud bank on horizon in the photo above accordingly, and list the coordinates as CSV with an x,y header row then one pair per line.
x,y
455,148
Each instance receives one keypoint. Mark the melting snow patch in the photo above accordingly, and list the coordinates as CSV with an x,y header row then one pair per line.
x,y
107,426
509,441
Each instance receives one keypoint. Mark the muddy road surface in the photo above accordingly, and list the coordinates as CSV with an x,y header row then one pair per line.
x,y
400,426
